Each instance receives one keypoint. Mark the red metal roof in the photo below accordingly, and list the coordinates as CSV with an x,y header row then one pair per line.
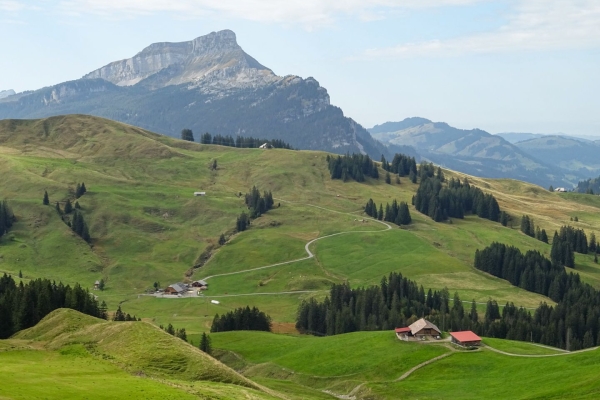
x,y
465,336
402,330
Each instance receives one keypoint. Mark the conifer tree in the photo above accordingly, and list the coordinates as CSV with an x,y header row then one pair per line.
x,y
46,200
58,208
205,345
77,206
68,207
222,240
388,178
187,134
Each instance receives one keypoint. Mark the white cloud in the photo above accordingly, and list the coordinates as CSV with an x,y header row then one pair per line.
x,y
534,25
308,13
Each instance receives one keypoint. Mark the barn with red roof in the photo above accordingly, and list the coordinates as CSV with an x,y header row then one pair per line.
x,y
465,338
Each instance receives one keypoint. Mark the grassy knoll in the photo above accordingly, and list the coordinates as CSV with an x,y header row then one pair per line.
x,y
338,363
115,351
146,225
372,361
484,374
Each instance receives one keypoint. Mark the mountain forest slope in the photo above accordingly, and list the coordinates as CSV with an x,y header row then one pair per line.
x,y
147,227
479,153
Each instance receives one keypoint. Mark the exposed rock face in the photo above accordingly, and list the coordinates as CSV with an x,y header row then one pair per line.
x,y
214,61
208,84
6,93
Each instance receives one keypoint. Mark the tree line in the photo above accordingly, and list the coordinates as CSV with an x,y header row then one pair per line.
x,y
241,141
76,220
455,200
572,324
7,218
395,302
355,166
402,165
397,213
24,305
589,186
242,319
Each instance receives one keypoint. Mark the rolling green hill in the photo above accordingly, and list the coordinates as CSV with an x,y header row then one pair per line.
x,y
147,226
76,355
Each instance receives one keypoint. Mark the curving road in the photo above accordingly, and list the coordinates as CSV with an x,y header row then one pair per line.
x,y
307,246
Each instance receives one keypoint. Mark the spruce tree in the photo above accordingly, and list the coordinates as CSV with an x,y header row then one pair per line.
x,y
187,134
222,240
46,200
205,345
77,206
68,207
388,178
58,208
78,191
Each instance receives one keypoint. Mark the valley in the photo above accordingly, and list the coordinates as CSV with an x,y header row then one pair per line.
x,y
146,226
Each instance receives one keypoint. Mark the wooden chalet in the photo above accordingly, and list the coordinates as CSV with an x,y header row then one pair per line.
x,y
199,283
423,328
465,338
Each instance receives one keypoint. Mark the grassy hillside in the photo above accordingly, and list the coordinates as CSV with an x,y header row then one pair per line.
x,y
147,226
77,354
374,365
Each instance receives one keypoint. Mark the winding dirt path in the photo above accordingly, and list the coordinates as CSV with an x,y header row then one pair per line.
x,y
564,353
307,246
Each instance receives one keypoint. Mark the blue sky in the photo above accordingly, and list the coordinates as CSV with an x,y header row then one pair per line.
x,y
514,65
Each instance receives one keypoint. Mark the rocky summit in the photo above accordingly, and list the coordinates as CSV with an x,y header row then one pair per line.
x,y
214,60
6,93
208,84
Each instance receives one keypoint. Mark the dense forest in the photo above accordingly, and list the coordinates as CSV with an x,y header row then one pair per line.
x,y
397,213
574,323
402,165
455,200
242,319
589,186
355,166
24,305
396,302
257,205
7,218
243,142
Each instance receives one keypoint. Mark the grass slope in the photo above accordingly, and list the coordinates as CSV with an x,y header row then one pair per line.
x,y
367,364
119,349
147,226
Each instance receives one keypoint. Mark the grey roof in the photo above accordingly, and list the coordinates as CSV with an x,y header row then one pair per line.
x,y
97,283
421,324
177,288
203,283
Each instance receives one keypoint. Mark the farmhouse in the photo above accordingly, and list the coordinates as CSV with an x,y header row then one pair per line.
x,y
422,328
96,285
264,146
175,289
560,189
199,283
465,338
199,193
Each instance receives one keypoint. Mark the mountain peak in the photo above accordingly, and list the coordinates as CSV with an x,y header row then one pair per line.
x,y
214,59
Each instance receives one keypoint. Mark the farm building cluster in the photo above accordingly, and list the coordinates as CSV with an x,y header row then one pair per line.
x,y
181,289
425,330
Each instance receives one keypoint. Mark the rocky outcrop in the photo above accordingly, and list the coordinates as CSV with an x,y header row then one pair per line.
x,y
212,62
6,93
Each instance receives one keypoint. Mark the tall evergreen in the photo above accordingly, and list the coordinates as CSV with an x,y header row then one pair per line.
x,y
187,134
46,200
68,207
205,343
242,319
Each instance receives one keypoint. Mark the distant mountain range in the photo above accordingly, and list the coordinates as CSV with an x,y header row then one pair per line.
x,y
479,153
6,93
208,84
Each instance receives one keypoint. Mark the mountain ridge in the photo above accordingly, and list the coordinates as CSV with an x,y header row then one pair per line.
x,y
208,84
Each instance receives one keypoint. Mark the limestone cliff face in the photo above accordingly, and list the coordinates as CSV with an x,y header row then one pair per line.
x,y
214,60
